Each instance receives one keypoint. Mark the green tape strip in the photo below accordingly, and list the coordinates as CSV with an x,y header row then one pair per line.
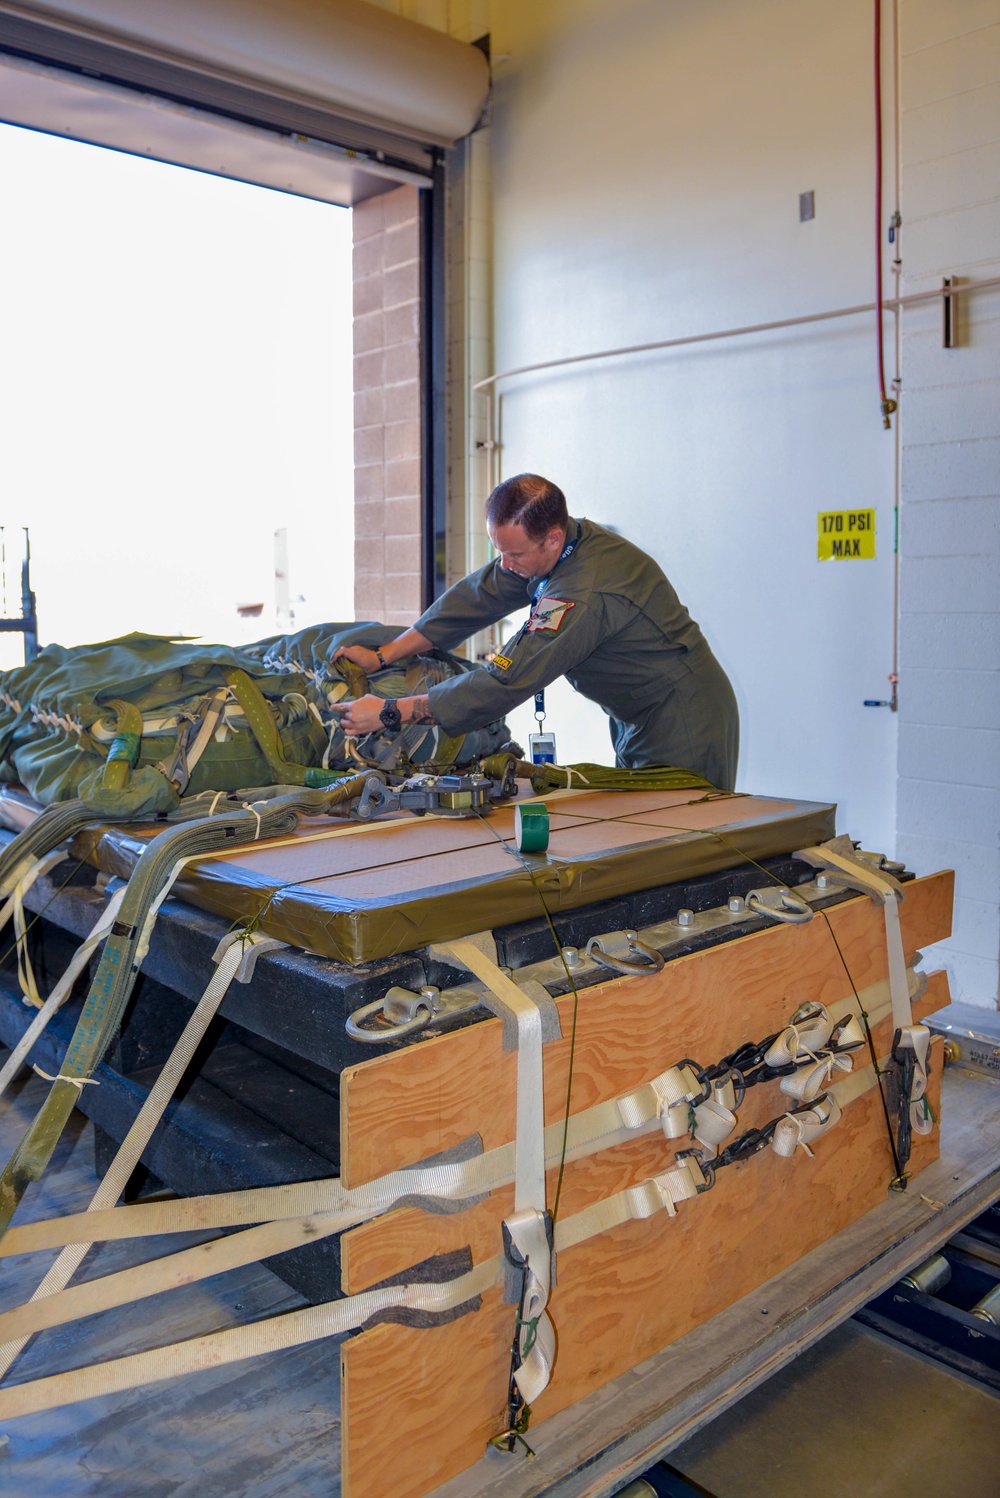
x,y
320,779
125,746
531,827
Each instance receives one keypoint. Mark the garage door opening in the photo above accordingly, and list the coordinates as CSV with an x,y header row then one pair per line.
x,y
177,387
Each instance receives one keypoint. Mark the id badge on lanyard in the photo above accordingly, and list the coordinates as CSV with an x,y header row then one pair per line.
x,y
541,746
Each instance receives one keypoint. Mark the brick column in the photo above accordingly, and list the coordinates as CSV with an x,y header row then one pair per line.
x,y
387,472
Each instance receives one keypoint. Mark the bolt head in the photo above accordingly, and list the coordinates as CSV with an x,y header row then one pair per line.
x,y
685,918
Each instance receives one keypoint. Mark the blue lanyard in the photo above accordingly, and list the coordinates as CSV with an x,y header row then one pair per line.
x,y
567,551
540,587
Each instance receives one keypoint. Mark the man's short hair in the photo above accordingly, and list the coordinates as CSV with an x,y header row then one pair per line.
x,y
530,501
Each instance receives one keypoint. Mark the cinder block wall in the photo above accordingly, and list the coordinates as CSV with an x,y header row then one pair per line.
x,y
387,444
949,695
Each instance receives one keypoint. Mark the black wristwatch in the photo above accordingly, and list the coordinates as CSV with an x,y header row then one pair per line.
x,y
390,717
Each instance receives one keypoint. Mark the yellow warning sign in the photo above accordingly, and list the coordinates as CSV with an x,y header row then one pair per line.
x,y
846,534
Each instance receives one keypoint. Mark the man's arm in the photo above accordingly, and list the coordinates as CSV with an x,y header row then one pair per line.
x,y
563,637
410,642
479,600
416,710
536,659
363,715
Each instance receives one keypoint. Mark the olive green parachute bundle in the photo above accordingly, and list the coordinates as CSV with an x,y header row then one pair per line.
x,y
129,726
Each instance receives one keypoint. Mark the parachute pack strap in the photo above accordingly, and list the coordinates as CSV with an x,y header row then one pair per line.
x,y
262,725
193,738
123,751
138,1136
209,722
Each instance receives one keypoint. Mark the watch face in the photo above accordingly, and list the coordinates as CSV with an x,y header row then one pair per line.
x,y
391,717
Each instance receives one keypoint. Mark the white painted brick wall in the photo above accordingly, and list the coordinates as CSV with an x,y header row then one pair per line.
x,y
948,807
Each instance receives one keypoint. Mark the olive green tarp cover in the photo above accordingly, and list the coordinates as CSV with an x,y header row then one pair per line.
x,y
57,723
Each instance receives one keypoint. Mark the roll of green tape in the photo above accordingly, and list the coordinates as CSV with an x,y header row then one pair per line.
x,y
531,826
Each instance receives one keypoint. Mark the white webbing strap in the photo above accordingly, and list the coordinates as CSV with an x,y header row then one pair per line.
x,y
917,1038
859,874
146,934
667,1098
664,1192
206,728
800,1130
529,1235
529,1225
887,892
529,1174
16,886
591,1131
293,1329
62,990
803,1038
230,956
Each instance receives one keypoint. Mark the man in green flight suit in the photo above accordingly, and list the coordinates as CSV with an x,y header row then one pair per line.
x,y
602,614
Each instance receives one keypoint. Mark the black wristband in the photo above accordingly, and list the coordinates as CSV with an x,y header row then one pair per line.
x,y
381,659
390,717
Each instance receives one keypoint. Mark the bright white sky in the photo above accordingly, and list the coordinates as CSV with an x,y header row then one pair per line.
x,y
175,384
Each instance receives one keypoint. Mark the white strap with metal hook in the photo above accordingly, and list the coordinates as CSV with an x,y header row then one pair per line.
x,y
528,1224
882,887
800,1130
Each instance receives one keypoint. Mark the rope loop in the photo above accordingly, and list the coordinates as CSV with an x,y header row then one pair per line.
x,y
78,1082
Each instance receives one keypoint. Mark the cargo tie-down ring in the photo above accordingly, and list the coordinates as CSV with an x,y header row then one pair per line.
x,y
779,905
402,1012
623,952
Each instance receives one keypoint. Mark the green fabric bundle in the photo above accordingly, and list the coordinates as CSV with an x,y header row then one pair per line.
x,y
117,723
585,777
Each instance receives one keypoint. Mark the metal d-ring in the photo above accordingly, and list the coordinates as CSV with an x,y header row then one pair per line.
x,y
780,905
645,959
417,1011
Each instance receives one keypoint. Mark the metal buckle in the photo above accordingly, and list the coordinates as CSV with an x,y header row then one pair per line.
x,y
707,1168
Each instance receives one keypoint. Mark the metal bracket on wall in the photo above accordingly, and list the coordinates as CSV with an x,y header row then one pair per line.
x,y
949,309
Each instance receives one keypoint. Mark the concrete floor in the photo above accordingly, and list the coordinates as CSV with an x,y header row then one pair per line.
x,y
263,1428
858,1416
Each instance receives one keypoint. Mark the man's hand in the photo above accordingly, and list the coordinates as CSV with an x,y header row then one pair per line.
x,y
361,656
362,715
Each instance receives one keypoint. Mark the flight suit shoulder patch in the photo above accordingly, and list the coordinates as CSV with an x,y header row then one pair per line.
x,y
550,615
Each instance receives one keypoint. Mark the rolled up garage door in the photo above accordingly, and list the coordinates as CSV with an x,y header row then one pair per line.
x,y
343,93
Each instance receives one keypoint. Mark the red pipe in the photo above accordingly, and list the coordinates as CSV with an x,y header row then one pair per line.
x,y
888,404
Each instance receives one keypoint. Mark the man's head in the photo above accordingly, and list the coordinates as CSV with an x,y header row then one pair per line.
x,y
526,517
